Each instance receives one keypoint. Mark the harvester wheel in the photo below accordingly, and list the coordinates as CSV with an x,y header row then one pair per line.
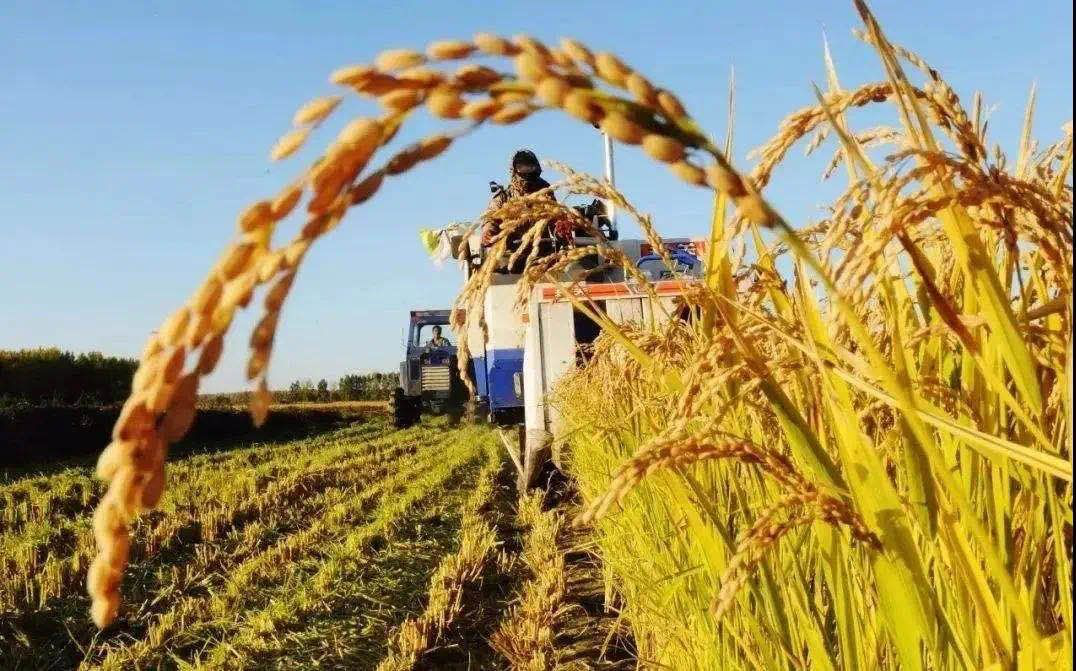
x,y
475,412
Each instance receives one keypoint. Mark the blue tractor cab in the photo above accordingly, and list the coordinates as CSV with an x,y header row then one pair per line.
x,y
429,375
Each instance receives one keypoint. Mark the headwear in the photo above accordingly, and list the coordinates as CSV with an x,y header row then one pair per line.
x,y
526,159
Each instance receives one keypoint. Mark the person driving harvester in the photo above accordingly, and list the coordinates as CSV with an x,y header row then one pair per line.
x,y
437,341
524,178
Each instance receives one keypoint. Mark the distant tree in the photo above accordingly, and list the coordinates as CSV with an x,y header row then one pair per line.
x,y
352,387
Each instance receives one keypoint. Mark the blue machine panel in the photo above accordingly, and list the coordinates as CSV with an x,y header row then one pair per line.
x,y
501,368
478,367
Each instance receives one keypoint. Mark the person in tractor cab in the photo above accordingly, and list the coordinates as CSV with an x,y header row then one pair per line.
x,y
438,341
524,178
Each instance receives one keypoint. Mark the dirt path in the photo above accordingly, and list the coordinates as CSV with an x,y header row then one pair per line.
x,y
465,643
588,635
539,603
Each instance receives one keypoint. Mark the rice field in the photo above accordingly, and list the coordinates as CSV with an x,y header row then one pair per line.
x,y
359,548
852,451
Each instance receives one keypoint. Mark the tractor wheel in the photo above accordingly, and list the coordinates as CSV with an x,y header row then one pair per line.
x,y
454,417
475,412
403,409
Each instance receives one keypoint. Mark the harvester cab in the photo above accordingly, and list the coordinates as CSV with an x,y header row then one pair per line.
x,y
429,375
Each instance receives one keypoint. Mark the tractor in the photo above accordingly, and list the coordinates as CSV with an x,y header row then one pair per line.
x,y
429,375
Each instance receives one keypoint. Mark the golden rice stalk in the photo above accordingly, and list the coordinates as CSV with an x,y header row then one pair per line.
x,y
172,330
286,200
661,148
577,50
352,74
400,100
670,105
432,146
449,49
532,45
289,143
365,189
376,84
259,403
619,127
398,59
256,216
495,45
511,113
689,172
641,88
421,77
480,110
445,102
580,104
562,60
531,67
682,451
611,69
475,77
315,111
207,360
552,89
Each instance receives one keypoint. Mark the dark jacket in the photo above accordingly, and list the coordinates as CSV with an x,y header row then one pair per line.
x,y
518,186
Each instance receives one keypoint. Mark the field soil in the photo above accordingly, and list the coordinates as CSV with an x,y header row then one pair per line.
x,y
293,553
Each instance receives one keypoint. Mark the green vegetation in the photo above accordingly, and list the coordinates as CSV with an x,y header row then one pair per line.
x,y
352,387
48,375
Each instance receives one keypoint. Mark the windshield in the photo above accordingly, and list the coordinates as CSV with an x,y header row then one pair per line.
x,y
655,269
424,335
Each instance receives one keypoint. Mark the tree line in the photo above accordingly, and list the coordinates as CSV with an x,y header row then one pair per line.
x,y
353,387
48,375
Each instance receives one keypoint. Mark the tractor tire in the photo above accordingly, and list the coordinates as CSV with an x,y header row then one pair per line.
x,y
403,409
454,414
475,412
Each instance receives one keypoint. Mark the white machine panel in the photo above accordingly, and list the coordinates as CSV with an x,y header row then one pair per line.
x,y
503,321
626,310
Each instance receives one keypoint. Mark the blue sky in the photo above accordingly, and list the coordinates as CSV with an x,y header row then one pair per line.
x,y
132,133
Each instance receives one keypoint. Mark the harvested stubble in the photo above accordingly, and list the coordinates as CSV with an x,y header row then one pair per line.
x,y
526,635
477,547
260,496
273,587
45,558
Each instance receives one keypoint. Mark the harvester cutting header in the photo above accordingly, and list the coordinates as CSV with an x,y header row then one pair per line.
x,y
517,355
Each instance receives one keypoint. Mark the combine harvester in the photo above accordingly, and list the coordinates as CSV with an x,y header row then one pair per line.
x,y
522,355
